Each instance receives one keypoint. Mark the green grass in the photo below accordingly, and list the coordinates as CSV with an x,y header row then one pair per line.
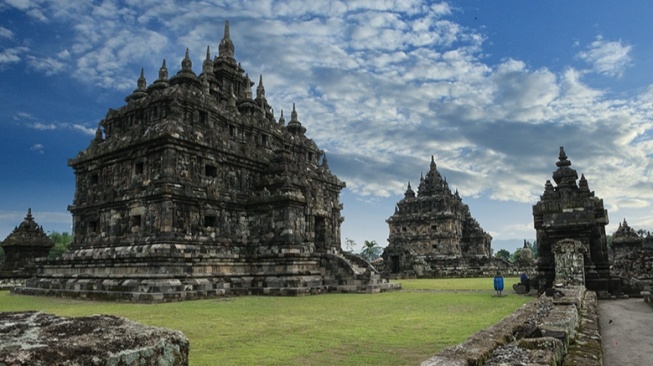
x,y
397,328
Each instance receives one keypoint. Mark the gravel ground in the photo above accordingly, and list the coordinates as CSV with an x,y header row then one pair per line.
x,y
627,332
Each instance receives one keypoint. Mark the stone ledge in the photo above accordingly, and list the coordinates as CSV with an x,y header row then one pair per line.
x,y
39,339
549,331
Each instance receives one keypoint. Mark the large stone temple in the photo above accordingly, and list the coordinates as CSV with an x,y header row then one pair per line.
x,y
194,189
433,234
570,224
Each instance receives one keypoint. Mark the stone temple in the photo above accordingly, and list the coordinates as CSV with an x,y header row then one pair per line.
x,y
26,242
433,234
570,224
194,189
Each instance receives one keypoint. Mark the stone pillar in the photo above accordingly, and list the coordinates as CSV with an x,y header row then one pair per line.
x,y
569,260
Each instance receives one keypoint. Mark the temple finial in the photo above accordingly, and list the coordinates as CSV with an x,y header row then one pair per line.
x,y
282,121
293,114
226,48
163,71
141,80
260,90
186,63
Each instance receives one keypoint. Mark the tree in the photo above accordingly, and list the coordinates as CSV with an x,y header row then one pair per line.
x,y
371,250
516,256
2,255
350,245
502,253
61,243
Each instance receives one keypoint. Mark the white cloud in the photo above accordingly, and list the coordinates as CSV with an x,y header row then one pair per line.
x,y
33,122
37,148
47,65
11,55
606,57
6,33
44,126
382,86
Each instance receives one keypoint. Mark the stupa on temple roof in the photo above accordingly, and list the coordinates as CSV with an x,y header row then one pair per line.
x,y
26,242
194,189
432,233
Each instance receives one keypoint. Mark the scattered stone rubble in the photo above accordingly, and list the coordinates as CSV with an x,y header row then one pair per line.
x,y
559,329
39,339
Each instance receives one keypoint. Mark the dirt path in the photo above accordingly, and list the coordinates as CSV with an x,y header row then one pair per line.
x,y
627,332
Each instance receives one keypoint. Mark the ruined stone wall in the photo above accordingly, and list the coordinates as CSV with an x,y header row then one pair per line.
x,y
560,329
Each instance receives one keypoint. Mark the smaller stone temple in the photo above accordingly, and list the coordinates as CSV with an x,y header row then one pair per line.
x,y
570,224
25,243
631,259
433,234
625,240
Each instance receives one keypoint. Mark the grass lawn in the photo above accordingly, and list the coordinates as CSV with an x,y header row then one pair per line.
x,y
397,328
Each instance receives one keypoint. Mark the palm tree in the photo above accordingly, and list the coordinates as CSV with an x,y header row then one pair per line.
x,y
371,250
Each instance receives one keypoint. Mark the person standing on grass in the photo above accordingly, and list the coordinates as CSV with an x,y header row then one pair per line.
x,y
524,281
498,283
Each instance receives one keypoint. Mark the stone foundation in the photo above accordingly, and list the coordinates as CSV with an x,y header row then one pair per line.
x,y
160,273
560,329
38,339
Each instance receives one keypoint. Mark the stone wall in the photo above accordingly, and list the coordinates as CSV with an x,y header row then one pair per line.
x,y
559,328
39,339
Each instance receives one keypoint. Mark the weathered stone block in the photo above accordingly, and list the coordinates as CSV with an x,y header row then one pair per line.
x,y
39,339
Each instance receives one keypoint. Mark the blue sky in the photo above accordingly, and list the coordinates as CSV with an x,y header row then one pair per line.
x,y
491,89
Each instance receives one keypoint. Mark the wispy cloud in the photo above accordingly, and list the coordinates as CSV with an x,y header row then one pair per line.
x,y
30,121
6,33
610,58
11,55
382,86
37,148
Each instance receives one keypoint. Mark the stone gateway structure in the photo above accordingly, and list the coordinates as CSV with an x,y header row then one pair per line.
x,y
570,224
194,189
432,233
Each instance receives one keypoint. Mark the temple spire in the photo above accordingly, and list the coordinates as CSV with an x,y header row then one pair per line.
x,y
565,177
186,63
163,71
409,192
260,90
207,66
140,91
282,121
141,81
294,126
226,48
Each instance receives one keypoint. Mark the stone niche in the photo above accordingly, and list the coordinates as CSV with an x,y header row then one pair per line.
x,y
193,189
433,234
569,259
570,213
